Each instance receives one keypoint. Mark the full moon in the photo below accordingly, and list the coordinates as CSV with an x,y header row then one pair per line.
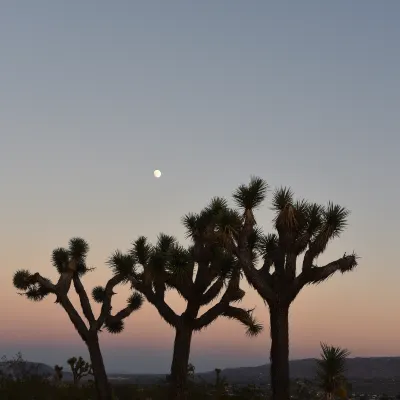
x,y
157,173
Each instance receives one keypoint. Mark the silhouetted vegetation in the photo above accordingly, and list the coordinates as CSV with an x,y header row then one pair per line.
x,y
71,266
225,243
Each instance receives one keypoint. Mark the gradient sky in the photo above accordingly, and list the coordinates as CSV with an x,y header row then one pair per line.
x,y
95,95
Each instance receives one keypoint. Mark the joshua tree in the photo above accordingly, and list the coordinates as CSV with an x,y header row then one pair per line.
x,y
330,371
220,383
71,266
217,376
58,373
80,368
191,371
301,228
167,265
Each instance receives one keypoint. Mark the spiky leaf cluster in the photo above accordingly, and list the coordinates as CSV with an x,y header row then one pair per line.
x,y
25,281
114,326
73,257
135,301
122,264
98,294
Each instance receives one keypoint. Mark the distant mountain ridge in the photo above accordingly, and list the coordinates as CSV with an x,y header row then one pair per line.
x,y
357,368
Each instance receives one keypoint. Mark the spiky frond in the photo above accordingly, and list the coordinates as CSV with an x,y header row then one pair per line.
x,y
135,301
165,243
22,279
98,294
189,221
331,368
314,218
36,292
281,198
249,197
121,264
78,248
267,245
157,263
229,222
114,326
60,259
335,219
227,265
178,261
217,205
141,250
246,318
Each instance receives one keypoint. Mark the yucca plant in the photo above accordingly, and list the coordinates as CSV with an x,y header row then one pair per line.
x,y
331,368
301,228
200,274
70,264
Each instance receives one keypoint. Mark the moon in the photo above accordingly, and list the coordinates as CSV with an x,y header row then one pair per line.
x,y
157,173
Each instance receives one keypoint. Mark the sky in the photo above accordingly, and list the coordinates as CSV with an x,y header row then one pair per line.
x,y
96,95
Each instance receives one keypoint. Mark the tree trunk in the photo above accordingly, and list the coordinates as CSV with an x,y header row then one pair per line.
x,y
102,384
280,382
180,361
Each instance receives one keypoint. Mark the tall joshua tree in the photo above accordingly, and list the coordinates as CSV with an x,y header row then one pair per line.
x,y
167,265
71,266
302,228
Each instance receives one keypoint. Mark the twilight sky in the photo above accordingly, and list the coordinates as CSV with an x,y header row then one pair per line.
x,y
95,95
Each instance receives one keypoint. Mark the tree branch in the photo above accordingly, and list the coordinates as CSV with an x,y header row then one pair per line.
x,y
239,314
163,308
65,303
84,300
219,308
120,315
253,275
74,316
46,283
316,275
106,306
212,292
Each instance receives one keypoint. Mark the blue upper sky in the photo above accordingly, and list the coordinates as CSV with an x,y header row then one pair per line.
x,y
95,95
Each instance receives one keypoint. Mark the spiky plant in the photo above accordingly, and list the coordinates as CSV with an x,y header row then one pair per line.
x,y
80,368
301,228
71,265
200,274
331,370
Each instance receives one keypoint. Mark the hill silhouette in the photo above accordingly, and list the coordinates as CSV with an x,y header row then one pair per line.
x,y
357,368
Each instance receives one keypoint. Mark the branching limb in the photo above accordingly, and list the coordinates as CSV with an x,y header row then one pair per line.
x,y
253,275
106,306
212,292
232,293
163,308
317,275
246,318
74,316
84,300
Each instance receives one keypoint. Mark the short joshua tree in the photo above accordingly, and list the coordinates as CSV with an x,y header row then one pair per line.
x,y
58,373
71,265
80,368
